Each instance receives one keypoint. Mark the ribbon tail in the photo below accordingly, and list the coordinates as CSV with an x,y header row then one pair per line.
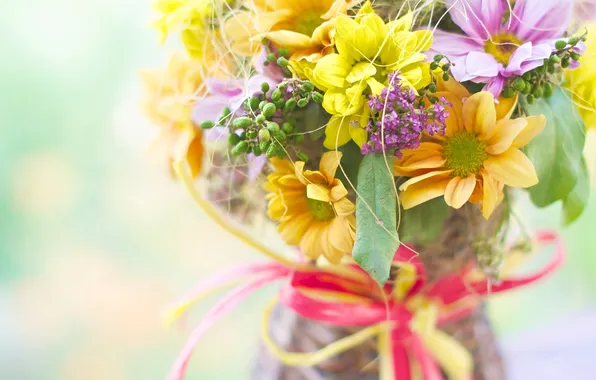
x,y
428,366
399,356
453,358
310,359
544,237
223,307
218,282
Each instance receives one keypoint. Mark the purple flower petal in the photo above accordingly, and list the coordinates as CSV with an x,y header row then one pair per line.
x,y
479,19
474,66
526,58
495,87
538,20
573,65
226,87
217,134
209,108
272,70
255,165
584,11
482,65
454,45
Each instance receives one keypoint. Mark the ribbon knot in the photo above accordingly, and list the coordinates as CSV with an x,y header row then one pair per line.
x,y
403,316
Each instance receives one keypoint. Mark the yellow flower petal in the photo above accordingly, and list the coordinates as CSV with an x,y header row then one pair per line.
x,y
506,132
402,24
194,155
299,171
315,177
423,191
318,192
331,253
376,87
442,173
512,168
420,159
375,24
289,39
310,242
365,43
331,71
361,71
459,190
292,229
329,163
290,181
345,34
535,125
505,107
490,198
344,207
480,115
452,87
338,7
334,102
338,191
337,132
358,134
340,236
425,39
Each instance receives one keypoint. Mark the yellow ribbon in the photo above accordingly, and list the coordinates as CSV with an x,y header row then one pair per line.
x,y
453,358
311,359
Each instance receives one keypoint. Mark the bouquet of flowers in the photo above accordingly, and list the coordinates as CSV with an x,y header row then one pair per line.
x,y
384,140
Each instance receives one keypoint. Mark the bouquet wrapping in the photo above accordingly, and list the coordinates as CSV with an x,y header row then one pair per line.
x,y
385,141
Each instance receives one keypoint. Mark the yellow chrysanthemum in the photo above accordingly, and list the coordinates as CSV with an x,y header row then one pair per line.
x,y
312,207
367,51
582,81
304,27
478,155
193,18
170,96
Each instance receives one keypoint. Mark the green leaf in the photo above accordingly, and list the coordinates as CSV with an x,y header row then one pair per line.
x,y
350,162
576,201
422,224
557,151
376,231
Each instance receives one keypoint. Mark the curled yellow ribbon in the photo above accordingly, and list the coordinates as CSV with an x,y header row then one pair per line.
x,y
453,358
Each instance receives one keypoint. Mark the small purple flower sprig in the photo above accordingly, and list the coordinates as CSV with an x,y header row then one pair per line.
x,y
399,117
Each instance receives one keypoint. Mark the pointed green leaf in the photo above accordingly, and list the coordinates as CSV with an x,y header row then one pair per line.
x,y
575,203
557,151
376,231
422,224
350,162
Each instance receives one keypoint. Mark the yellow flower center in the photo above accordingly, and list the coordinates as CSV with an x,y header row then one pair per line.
x,y
320,210
465,154
502,46
305,23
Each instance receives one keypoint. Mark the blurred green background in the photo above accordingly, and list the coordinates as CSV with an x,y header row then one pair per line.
x,y
96,240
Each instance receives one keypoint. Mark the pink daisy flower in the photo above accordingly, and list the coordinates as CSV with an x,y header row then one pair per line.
x,y
495,47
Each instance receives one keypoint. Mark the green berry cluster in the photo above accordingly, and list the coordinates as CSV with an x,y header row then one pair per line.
x,y
279,57
267,126
539,82
445,67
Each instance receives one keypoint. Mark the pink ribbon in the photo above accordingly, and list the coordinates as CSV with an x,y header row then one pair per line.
x,y
371,308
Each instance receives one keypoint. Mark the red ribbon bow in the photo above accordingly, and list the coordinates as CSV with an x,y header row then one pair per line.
x,y
364,303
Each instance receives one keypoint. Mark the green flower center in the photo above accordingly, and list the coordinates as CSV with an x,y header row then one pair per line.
x,y
306,23
320,210
502,47
465,154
